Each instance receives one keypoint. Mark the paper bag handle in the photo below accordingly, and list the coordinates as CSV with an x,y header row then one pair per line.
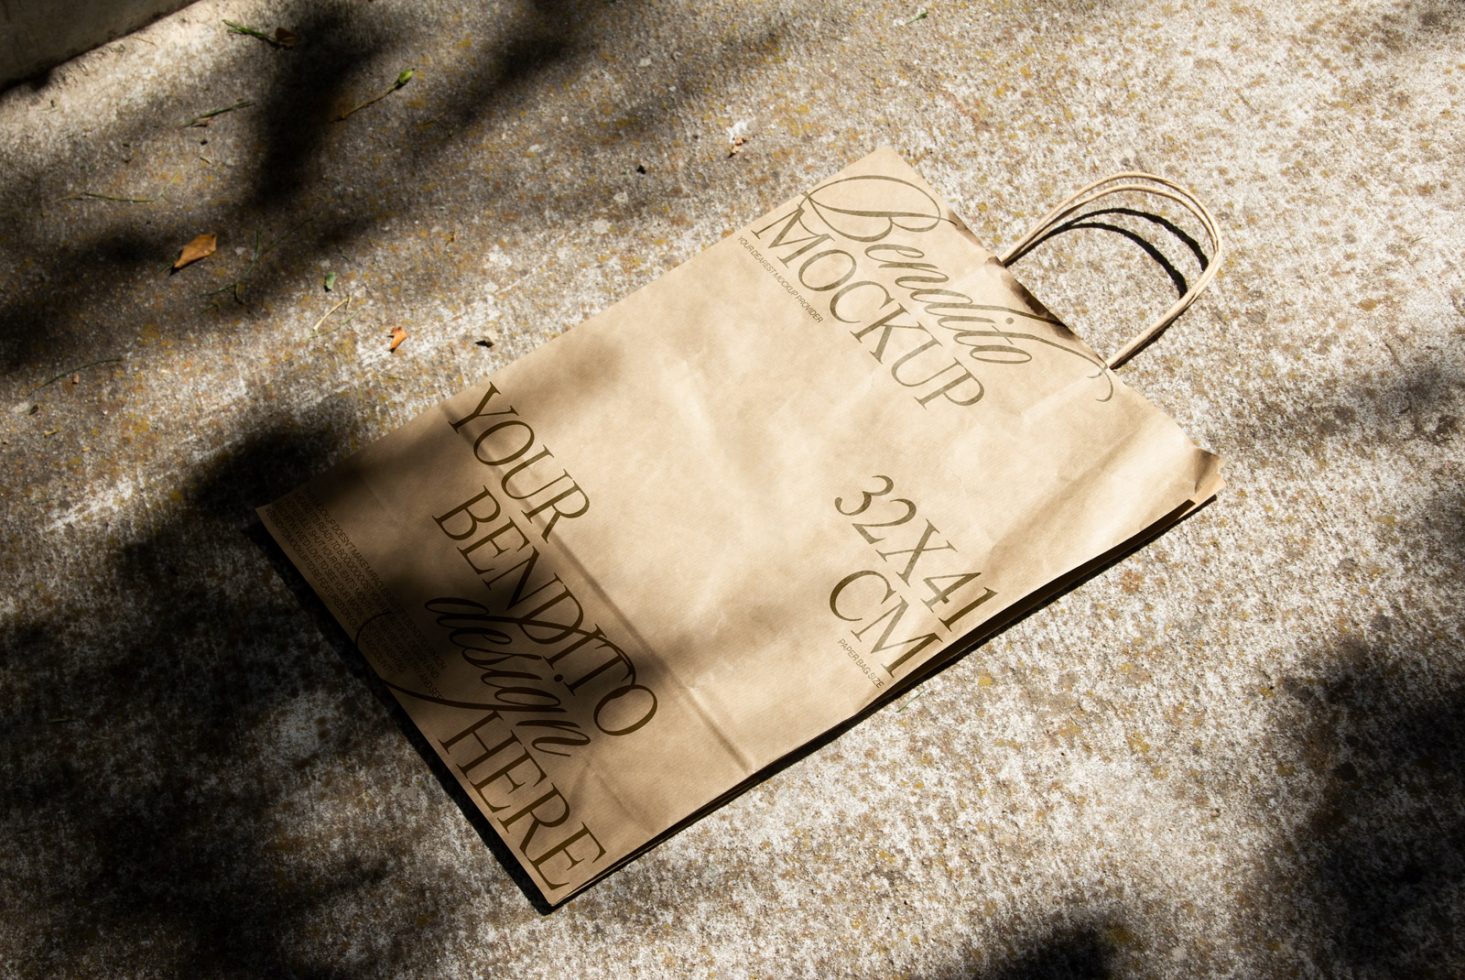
x,y
1121,183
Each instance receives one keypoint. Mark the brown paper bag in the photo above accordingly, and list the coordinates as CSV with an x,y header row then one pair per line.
x,y
759,496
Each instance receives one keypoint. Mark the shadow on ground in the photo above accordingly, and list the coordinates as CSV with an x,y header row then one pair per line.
x,y
1382,855
152,820
148,819
290,202
154,787
1074,953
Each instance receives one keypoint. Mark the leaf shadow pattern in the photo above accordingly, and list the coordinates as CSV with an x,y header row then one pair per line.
x,y
1369,879
1374,874
158,775
305,94
152,789
304,173
1080,953
1079,950
355,663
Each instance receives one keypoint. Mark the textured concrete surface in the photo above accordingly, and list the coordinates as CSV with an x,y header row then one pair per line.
x,y
38,34
1239,752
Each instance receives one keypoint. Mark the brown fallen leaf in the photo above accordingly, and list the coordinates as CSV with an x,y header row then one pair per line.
x,y
200,248
398,335
286,38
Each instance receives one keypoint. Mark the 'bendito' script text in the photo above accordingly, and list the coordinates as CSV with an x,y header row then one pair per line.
x,y
552,680
843,231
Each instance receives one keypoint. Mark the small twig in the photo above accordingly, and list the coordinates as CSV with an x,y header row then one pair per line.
x,y
402,80
238,28
920,15
70,371
238,287
93,196
344,302
203,120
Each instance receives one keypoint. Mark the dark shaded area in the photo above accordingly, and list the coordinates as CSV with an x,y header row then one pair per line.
x,y
294,202
308,96
148,835
36,81
128,764
1376,877
149,864
43,45
149,829
308,88
360,670
1080,953
348,52
1384,853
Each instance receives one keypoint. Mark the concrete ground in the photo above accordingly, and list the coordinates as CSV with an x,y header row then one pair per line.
x,y
1239,752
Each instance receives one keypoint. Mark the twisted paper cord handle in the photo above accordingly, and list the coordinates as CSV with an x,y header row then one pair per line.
x,y
1118,184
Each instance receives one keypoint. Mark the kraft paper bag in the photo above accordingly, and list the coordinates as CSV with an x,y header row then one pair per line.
x,y
766,492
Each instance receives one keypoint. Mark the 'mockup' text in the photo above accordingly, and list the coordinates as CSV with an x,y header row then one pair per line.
x,y
832,245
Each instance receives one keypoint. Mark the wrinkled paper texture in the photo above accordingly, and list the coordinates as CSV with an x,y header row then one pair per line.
x,y
634,568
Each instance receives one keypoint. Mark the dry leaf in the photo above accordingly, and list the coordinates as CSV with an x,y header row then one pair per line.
x,y
286,38
398,335
200,248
